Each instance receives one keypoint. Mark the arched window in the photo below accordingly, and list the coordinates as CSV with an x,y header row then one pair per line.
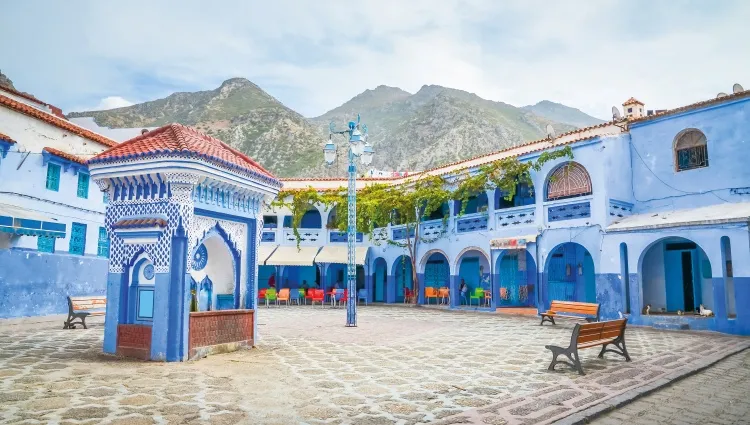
x,y
690,150
568,181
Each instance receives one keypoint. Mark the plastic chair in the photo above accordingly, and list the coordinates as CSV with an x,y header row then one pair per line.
x,y
362,295
430,292
262,294
317,296
271,296
337,297
300,296
445,295
283,296
309,295
487,298
346,296
477,295
408,295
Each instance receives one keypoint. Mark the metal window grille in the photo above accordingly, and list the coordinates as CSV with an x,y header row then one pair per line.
x,y
77,239
103,245
568,181
45,244
694,157
53,177
83,185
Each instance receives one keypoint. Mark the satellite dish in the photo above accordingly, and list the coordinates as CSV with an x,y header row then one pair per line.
x,y
720,95
615,113
737,88
550,132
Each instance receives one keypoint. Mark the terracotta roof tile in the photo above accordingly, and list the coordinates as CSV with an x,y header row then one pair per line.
x,y
140,222
631,101
6,138
65,155
182,140
733,96
56,121
55,110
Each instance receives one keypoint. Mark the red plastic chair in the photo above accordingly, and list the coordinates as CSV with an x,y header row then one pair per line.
x,y
346,296
318,296
262,294
408,295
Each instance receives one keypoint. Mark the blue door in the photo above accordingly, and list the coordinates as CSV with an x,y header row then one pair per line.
x,y
379,278
673,280
436,274
514,290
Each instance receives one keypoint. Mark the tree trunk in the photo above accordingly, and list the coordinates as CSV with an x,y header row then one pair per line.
x,y
412,248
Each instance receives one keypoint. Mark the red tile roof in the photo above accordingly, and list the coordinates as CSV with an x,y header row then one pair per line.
x,y
6,138
182,140
56,121
631,101
65,155
733,96
55,110
140,222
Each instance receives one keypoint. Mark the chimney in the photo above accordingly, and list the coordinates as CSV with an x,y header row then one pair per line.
x,y
633,108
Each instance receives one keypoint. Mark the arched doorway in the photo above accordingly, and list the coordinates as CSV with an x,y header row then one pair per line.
x,y
437,271
379,278
216,271
516,278
141,290
403,276
474,269
676,276
570,274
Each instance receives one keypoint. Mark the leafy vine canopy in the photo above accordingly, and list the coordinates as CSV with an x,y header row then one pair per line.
x,y
415,200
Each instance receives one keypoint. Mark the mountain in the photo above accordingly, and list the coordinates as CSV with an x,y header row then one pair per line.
x,y
561,113
5,81
239,113
436,125
410,132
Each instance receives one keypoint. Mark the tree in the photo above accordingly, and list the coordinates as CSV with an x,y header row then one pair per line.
x,y
409,203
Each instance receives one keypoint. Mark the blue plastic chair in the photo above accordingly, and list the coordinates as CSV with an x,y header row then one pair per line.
x,y
362,295
338,297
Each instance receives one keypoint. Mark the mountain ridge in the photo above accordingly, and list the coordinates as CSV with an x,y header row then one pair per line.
x,y
434,126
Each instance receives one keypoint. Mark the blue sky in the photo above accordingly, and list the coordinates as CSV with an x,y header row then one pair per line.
x,y
315,55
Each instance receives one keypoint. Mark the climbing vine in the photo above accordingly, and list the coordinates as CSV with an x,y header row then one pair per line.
x,y
408,204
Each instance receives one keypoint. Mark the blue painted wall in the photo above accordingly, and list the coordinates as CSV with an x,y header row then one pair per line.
x,y
37,284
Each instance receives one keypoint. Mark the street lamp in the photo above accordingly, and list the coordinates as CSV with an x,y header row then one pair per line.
x,y
358,148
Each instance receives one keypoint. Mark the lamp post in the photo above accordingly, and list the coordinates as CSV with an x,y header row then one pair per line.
x,y
358,148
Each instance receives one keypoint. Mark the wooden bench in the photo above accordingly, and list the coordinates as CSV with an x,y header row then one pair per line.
x,y
588,311
591,335
82,307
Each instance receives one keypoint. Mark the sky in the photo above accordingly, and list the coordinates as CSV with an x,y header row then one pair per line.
x,y
314,55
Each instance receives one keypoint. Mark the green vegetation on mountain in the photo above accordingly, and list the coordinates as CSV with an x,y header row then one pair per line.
x,y
434,126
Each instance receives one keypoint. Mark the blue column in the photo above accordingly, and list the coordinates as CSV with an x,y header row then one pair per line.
x,y
115,310
160,321
420,288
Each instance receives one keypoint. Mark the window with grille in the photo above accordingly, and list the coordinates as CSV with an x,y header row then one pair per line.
x,y
103,246
53,177
568,181
83,185
691,150
77,239
45,244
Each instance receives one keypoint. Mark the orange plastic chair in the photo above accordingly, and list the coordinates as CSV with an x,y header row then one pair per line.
x,y
283,295
487,298
430,292
445,295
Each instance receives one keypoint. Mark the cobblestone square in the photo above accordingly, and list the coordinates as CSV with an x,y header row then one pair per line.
x,y
399,366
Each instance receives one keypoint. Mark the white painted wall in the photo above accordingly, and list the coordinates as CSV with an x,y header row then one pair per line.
x,y
219,268
23,179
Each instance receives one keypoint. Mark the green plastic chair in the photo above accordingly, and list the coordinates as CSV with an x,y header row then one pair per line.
x,y
301,295
477,295
271,296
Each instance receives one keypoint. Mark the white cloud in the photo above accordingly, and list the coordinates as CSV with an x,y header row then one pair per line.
x,y
313,56
112,102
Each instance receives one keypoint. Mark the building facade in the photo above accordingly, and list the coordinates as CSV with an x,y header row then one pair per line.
x,y
649,219
52,238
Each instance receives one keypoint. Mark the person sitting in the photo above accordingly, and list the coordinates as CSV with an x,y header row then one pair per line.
x,y
304,285
272,281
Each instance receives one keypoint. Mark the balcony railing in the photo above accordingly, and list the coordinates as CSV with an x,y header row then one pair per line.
x,y
268,237
336,237
515,217
307,236
432,228
472,222
399,232
569,211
